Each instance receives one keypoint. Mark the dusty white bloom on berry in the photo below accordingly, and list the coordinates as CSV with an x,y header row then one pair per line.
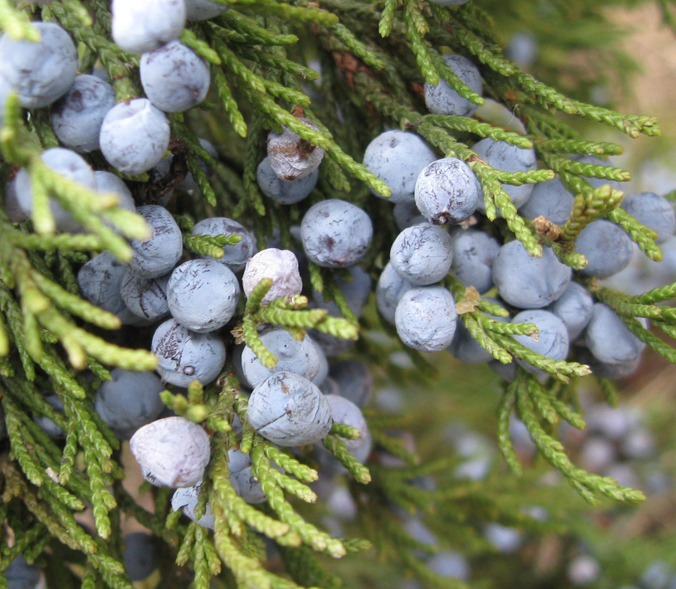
x,y
173,452
291,156
279,265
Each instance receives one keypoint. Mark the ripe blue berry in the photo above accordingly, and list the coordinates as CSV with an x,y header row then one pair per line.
x,y
509,158
356,289
202,295
346,412
68,164
134,136
609,339
107,182
158,255
100,282
283,191
574,308
447,191
145,297
397,158
552,339
174,77
235,256
607,248
464,347
422,254
406,214
203,9
299,356
21,575
248,487
288,410
129,400
444,100
473,255
77,116
527,282
336,233
550,199
184,355
425,318
42,72
391,287
186,498
139,27
653,211
138,555
354,380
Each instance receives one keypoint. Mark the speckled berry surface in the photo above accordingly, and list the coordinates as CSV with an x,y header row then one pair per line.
x,y
444,100
234,256
288,410
299,356
78,115
425,318
184,356
157,255
135,136
397,158
40,73
422,254
447,191
202,295
174,77
336,233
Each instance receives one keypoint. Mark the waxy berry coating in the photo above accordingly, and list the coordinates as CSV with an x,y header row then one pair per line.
x,y
77,117
397,158
444,100
174,77
135,136
422,254
298,356
473,255
202,295
336,233
447,191
40,73
157,255
528,282
283,191
184,356
288,410
68,164
139,27
607,248
292,157
234,256
425,318
552,339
